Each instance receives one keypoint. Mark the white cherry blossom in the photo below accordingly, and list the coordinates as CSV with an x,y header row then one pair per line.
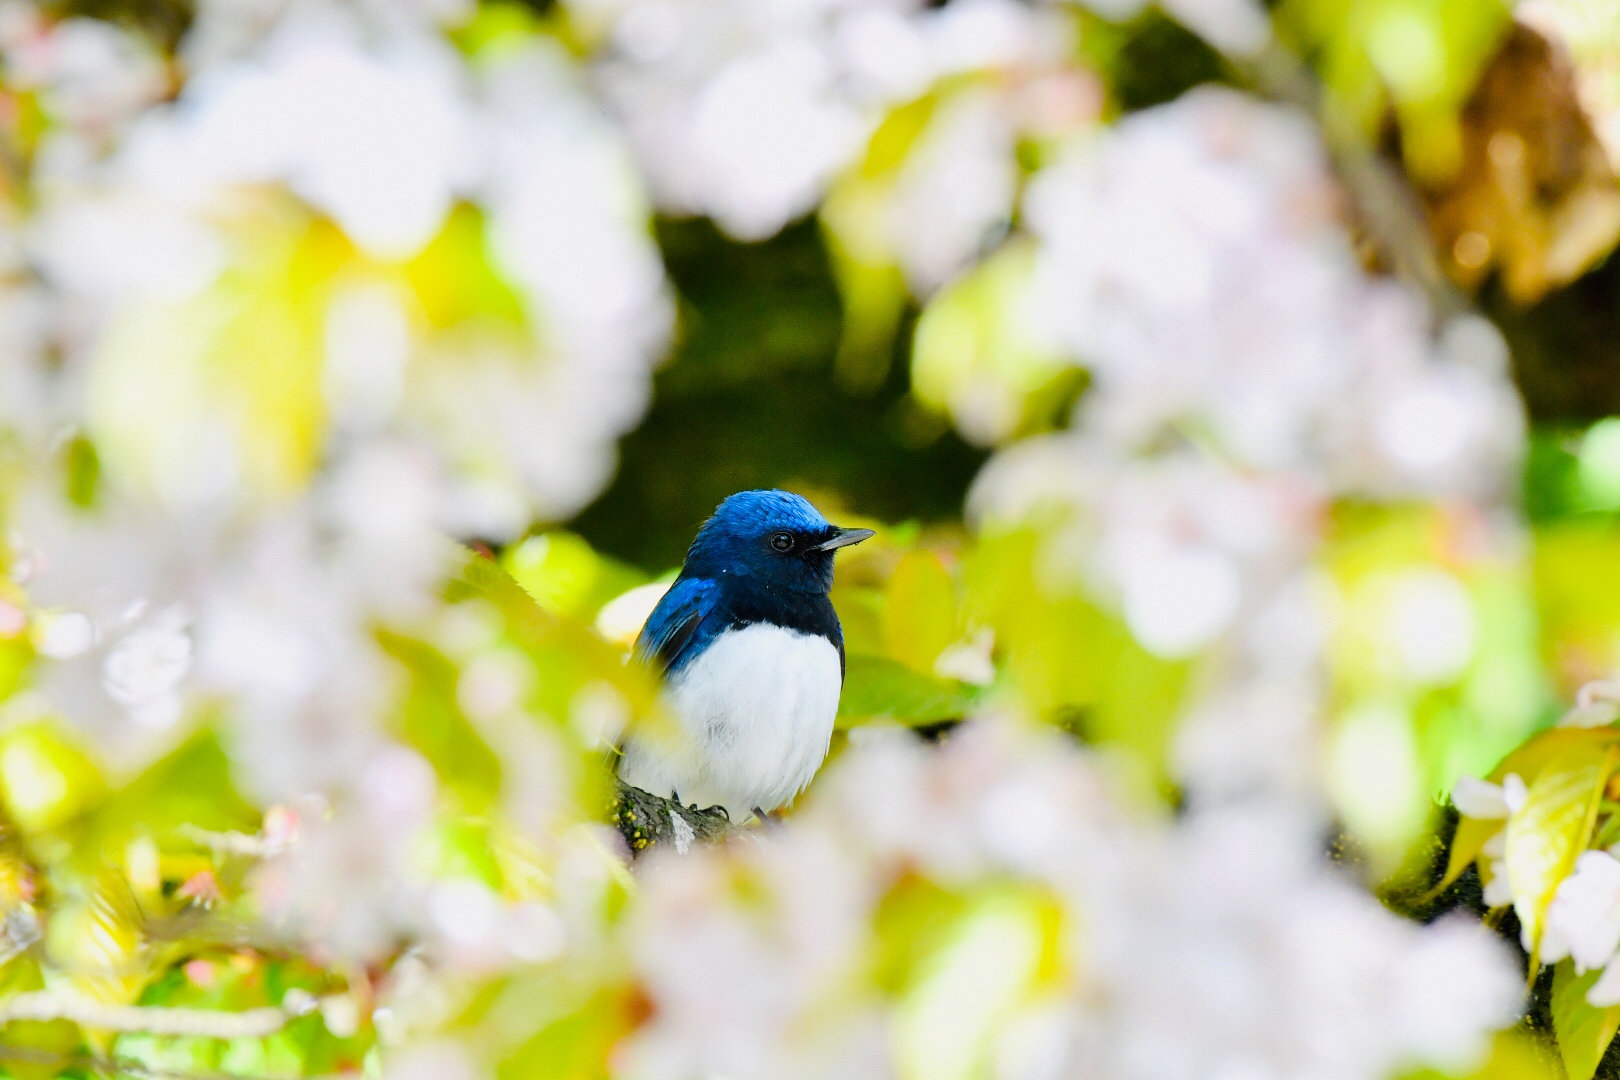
x,y
1482,799
1583,922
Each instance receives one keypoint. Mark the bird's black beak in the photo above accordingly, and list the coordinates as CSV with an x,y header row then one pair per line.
x,y
843,538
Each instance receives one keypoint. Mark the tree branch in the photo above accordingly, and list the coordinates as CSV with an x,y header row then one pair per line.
x,y
232,843
1389,209
646,821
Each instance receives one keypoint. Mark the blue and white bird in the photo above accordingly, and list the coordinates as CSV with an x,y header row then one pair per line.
x,y
752,656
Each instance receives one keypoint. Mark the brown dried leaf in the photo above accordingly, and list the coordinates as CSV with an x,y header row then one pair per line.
x,y
1535,198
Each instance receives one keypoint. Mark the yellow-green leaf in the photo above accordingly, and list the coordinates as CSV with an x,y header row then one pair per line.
x,y
98,937
1068,659
974,355
41,1047
1584,1030
455,280
1471,836
992,962
190,786
574,1046
877,687
919,610
1544,837
911,924
1516,1054
432,721
1530,759
544,634
1527,761
565,575
228,378
45,780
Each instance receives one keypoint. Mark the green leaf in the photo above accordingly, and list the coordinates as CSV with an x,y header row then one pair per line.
x,y
919,610
1068,659
191,785
45,779
461,847
565,575
183,1055
1516,1054
1422,58
973,343
1470,837
910,924
433,723
575,1046
83,467
456,281
1584,1030
1538,752
894,138
1576,565
876,687
1544,838
242,357
946,1023
43,1040
559,645
1527,761
16,655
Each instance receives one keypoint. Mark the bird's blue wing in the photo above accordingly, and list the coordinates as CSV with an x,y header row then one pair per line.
x,y
671,631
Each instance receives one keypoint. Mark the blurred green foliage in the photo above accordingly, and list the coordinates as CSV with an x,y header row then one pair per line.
x,y
1417,58
1150,59
748,399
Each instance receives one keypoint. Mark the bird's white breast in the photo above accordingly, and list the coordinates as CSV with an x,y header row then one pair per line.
x,y
756,709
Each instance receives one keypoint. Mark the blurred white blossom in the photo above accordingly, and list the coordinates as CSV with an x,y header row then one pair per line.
x,y
250,432
1203,948
143,671
193,571
1486,801
955,190
1246,372
1583,922
1498,891
745,111
93,75
735,108
1192,259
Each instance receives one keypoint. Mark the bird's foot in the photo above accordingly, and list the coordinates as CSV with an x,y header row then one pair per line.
x,y
768,820
675,797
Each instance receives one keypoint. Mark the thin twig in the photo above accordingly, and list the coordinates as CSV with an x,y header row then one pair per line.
x,y
1389,209
148,1019
233,843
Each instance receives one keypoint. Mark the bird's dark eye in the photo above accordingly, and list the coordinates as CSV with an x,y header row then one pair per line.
x,y
782,541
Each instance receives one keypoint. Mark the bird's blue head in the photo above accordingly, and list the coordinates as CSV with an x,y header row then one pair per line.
x,y
772,537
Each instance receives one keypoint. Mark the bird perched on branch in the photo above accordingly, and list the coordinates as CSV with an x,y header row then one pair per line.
x,y
752,656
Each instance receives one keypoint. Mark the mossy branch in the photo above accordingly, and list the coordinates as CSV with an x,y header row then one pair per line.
x,y
647,821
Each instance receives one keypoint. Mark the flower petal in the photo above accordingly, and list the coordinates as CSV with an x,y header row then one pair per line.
x,y
1606,991
1514,792
1480,799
